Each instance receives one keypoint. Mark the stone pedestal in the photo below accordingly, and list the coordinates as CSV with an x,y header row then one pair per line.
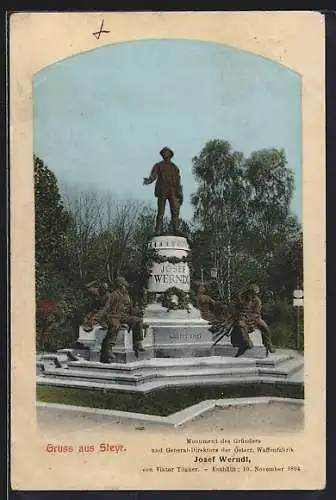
x,y
123,348
168,274
178,332
182,332
90,342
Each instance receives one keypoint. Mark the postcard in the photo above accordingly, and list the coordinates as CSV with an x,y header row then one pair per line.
x,y
167,176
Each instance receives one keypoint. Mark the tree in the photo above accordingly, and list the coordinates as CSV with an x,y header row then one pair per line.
x,y
51,224
220,205
103,239
119,223
242,208
271,187
85,208
51,218
285,271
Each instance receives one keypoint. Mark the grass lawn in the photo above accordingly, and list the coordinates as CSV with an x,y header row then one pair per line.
x,y
161,402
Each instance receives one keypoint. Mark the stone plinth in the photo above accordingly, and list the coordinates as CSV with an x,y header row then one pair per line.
x,y
123,348
179,332
92,338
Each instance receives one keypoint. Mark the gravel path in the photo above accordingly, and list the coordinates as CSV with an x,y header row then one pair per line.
x,y
271,417
267,418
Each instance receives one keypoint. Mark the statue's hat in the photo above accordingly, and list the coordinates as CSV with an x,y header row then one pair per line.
x,y
166,149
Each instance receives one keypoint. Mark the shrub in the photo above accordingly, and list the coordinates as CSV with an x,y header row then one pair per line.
x,y
55,338
282,318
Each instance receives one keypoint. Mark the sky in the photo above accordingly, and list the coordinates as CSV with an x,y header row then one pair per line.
x,y
101,117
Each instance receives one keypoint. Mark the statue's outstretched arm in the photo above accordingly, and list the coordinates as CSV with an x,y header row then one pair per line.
x,y
152,177
89,285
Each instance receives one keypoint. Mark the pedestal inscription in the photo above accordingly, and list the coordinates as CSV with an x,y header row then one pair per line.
x,y
173,335
170,275
167,274
186,337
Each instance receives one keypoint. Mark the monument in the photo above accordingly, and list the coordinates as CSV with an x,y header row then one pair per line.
x,y
167,342
174,328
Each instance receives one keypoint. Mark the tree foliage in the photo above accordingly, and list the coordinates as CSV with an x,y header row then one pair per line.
x,y
242,210
51,218
271,187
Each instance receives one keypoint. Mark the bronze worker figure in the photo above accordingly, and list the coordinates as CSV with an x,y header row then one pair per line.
x,y
119,311
168,187
205,303
243,316
250,308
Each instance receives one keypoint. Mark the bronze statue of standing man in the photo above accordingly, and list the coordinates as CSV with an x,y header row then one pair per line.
x,y
168,187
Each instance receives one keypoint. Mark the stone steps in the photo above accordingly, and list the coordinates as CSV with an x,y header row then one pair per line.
x,y
95,376
276,359
188,364
159,366
140,378
59,359
148,387
297,376
285,370
280,369
146,375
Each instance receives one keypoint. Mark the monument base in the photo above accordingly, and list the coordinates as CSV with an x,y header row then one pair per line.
x,y
180,333
177,333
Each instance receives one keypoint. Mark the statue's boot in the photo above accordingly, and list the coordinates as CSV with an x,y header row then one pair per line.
x,y
159,226
174,227
245,344
241,350
106,353
107,358
270,348
268,344
266,337
138,347
246,339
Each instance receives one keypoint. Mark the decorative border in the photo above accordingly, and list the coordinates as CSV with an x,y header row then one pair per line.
x,y
154,256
